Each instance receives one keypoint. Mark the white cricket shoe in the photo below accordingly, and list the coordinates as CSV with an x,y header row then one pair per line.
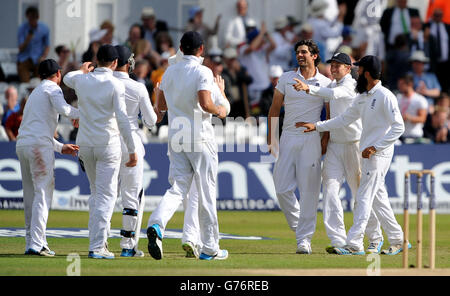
x,y
304,249
101,254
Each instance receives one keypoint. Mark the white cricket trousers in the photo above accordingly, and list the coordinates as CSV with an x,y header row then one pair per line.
x,y
186,167
130,184
191,225
372,194
102,166
298,166
37,168
342,162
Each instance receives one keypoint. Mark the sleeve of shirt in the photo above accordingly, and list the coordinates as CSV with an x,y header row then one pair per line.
x,y
335,93
21,35
120,109
59,103
281,85
350,115
205,80
46,37
71,78
435,82
395,119
148,114
57,146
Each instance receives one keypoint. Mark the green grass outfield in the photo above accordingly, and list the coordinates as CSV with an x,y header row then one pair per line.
x,y
264,257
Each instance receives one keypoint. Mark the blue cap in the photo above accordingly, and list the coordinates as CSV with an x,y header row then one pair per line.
x,y
193,11
341,57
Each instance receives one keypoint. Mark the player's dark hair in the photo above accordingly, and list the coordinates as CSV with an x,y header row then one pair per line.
x,y
312,47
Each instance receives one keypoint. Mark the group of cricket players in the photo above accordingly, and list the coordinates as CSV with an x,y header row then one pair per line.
x,y
357,141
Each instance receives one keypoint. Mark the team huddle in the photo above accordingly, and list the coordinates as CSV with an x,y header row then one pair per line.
x,y
357,140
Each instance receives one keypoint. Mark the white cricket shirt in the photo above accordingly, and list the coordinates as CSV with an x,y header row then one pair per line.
x,y
180,84
382,122
40,116
298,105
340,94
101,101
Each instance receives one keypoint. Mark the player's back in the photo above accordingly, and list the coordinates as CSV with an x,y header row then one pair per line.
x,y
95,91
180,84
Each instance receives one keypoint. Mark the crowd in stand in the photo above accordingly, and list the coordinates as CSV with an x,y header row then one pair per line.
x,y
415,54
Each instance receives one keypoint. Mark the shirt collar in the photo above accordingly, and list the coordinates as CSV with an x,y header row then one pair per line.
x,y
375,88
315,77
46,81
103,70
348,76
193,58
120,74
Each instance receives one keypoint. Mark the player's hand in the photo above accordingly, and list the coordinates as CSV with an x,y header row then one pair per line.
x,y
222,112
76,123
310,127
220,82
132,161
87,67
369,151
70,149
300,85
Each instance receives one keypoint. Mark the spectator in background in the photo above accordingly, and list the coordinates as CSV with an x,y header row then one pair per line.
x,y
284,40
425,83
442,102
215,61
436,127
156,75
236,83
141,48
12,124
195,23
366,26
444,5
34,44
324,30
441,32
266,98
66,66
236,29
397,61
11,105
253,55
64,62
395,21
142,71
151,27
165,44
95,37
109,36
421,39
413,107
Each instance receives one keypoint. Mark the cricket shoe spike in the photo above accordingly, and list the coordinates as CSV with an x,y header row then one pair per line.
x,y
155,242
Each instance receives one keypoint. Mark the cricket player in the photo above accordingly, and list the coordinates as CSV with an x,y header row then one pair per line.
x,y
382,125
186,94
137,101
191,241
342,158
298,163
101,101
34,148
